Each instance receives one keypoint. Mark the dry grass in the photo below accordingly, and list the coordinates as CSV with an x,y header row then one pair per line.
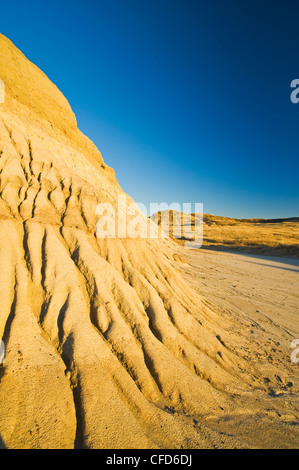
x,y
269,236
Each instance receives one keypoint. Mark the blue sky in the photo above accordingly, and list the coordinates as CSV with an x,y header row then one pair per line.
x,y
188,100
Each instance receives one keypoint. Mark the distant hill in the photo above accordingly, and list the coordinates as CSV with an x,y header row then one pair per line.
x,y
279,237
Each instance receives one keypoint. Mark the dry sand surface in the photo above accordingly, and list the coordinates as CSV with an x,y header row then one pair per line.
x,y
260,297
118,343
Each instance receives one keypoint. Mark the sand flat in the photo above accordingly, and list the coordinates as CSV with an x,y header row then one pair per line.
x,y
249,284
260,295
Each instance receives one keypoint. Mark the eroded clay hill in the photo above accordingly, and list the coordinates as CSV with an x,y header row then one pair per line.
x,y
106,345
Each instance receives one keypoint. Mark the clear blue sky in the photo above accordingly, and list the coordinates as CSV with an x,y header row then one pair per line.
x,y
188,100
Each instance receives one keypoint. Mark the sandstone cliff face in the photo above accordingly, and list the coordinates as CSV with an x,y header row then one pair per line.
x,y
106,346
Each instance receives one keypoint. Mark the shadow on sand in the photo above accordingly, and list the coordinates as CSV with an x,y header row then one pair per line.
x,y
2,445
262,252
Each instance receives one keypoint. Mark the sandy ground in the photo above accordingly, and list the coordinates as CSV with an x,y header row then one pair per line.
x,y
260,294
262,287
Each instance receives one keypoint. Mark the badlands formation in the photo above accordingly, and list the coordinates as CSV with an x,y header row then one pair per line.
x,y
109,343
